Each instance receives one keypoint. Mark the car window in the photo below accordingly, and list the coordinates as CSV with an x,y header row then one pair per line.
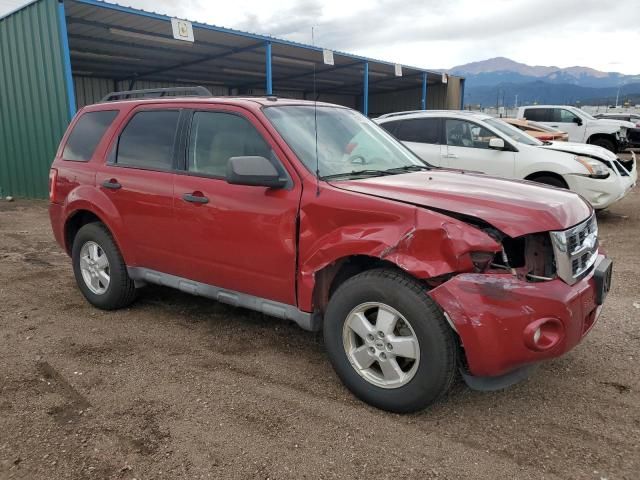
x,y
86,134
460,133
539,114
564,116
216,137
148,140
420,130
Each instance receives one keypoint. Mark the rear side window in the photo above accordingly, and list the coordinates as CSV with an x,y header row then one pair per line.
x,y
216,137
420,130
148,140
86,134
539,114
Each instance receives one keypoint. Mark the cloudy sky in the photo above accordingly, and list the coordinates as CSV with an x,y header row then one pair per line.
x,y
602,34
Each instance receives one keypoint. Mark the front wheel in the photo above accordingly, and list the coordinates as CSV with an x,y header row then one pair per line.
x,y
551,181
389,342
605,143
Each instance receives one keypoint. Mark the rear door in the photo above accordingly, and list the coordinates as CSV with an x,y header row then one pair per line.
x,y
138,179
237,237
467,145
423,137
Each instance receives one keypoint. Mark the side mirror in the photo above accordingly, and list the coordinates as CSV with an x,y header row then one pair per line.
x,y
577,120
254,171
496,143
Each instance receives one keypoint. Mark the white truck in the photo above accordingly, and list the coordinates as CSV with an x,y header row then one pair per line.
x,y
581,126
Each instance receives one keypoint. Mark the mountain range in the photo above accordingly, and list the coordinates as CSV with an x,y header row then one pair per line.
x,y
497,81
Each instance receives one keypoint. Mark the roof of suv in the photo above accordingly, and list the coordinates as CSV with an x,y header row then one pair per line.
x,y
433,113
228,100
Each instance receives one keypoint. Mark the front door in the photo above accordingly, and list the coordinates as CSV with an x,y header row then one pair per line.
x,y
241,238
569,122
468,149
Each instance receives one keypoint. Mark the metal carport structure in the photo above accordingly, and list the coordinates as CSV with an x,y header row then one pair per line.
x,y
57,56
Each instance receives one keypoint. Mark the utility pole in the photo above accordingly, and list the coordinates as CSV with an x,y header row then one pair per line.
x,y
516,104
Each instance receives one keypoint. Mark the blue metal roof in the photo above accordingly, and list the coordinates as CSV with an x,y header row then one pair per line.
x,y
256,36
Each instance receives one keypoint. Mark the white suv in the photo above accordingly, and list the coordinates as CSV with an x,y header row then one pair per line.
x,y
479,142
581,126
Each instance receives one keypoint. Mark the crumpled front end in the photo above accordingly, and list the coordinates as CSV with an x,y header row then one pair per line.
x,y
536,302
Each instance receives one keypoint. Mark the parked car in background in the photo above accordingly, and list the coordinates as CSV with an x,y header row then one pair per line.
x,y
581,126
311,212
542,132
634,133
478,142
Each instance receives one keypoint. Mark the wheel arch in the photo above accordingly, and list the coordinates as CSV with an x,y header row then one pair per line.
x,y
89,205
543,173
605,136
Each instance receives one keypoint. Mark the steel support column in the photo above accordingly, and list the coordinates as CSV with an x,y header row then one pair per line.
x,y
269,86
365,90
423,100
66,60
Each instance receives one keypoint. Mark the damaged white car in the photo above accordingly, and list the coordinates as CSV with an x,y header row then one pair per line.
x,y
476,141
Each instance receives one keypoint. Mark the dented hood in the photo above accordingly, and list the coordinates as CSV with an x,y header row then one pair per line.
x,y
513,207
586,149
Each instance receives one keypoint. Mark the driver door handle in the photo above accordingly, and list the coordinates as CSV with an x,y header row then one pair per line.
x,y
190,197
111,184
450,155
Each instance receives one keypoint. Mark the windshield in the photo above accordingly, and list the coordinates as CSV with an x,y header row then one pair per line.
x,y
348,144
513,133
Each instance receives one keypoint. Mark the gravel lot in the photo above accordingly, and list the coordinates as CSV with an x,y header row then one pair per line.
x,y
182,387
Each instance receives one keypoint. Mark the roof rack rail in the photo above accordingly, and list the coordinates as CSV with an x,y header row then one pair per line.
x,y
398,114
198,91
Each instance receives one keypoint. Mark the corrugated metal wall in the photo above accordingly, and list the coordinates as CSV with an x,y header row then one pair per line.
x,y
453,94
438,97
34,108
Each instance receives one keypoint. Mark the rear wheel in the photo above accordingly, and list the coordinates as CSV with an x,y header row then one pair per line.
x,y
389,342
605,143
99,268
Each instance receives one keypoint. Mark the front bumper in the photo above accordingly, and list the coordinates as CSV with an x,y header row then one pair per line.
x,y
603,192
494,315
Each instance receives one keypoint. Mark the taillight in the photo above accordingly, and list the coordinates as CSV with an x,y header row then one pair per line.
x,y
53,180
546,137
638,125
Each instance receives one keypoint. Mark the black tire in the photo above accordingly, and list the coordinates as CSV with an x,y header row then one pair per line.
x,y
550,180
436,369
121,290
605,143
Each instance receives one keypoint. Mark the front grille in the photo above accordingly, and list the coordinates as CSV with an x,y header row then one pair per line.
x,y
575,250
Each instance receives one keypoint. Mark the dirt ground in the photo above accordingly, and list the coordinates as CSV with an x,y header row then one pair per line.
x,y
183,387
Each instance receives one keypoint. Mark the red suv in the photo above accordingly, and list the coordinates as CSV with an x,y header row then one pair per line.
x,y
312,213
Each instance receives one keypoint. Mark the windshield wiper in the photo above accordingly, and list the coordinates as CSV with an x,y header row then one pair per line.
x,y
408,168
358,173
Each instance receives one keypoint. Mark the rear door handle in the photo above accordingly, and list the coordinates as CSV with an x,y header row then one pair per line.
x,y
450,155
190,197
111,184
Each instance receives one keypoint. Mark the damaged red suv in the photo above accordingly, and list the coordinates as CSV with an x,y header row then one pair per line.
x,y
312,213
